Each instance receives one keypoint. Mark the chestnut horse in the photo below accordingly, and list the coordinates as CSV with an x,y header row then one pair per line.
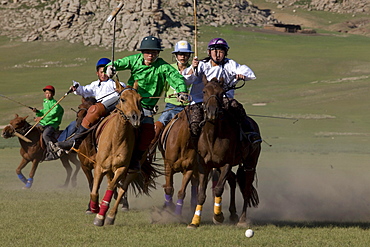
x,y
116,136
221,147
178,150
35,151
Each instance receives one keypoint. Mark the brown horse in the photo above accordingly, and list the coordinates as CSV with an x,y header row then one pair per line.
x,y
220,147
35,151
115,136
179,153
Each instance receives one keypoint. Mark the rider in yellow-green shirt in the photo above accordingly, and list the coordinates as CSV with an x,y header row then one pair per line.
x,y
152,73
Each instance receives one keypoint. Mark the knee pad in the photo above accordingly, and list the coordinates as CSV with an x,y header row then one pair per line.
x,y
94,113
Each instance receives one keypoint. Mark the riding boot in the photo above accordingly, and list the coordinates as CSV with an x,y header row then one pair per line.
x,y
75,141
50,154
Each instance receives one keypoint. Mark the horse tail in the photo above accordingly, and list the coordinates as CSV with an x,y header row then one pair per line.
x,y
245,178
144,183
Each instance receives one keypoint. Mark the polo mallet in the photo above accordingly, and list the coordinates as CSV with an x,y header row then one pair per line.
x,y
16,101
65,95
195,35
111,17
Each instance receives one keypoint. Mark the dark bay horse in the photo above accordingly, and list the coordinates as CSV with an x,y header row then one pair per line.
x,y
116,137
34,152
178,150
220,146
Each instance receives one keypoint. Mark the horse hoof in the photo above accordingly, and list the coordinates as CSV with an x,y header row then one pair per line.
x,y
242,224
234,218
88,211
124,209
109,221
192,226
218,219
99,220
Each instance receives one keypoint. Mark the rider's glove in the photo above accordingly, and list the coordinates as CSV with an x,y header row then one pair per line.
x,y
183,97
111,71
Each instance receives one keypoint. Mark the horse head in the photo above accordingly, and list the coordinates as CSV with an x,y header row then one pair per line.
x,y
213,93
18,124
129,104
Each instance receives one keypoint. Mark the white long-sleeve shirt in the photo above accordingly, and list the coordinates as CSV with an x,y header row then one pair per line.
x,y
102,91
228,71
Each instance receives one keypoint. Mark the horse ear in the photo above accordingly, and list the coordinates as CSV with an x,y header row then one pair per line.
x,y
204,79
118,85
136,85
25,117
16,115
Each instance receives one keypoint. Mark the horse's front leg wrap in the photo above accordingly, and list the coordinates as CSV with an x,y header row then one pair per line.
x,y
179,204
197,215
168,200
94,207
22,178
217,209
104,205
29,183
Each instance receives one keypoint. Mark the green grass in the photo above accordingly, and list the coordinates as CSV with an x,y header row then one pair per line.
x,y
312,181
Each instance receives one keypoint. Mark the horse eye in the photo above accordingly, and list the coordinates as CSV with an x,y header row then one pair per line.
x,y
122,100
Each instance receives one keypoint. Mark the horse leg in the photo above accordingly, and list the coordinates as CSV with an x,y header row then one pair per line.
x,y
67,166
35,164
124,201
194,191
94,194
168,187
232,207
104,204
111,216
73,158
90,180
182,192
245,177
218,216
23,163
215,177
203,175
128,178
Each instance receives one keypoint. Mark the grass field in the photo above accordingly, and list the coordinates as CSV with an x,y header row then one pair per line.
x,y
313,181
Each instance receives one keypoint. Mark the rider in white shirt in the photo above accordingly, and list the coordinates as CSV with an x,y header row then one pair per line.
x,y
216,65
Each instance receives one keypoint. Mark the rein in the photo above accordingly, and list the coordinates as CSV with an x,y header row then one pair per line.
x,y
22,130
121,113
204,104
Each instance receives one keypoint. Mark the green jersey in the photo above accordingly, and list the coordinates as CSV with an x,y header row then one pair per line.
x,y
151,79
54,117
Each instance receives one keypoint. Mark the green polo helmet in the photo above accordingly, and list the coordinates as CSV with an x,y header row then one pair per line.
x,y
150,43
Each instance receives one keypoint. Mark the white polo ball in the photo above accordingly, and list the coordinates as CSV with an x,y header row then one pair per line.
x,y
249,233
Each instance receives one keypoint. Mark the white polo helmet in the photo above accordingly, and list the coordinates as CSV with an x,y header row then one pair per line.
x,y
182,46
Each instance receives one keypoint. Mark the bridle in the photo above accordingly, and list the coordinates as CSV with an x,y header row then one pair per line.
x,y
121,113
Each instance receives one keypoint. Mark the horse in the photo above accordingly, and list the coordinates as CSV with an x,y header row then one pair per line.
x,y
34,152
179,153
116,137
221,147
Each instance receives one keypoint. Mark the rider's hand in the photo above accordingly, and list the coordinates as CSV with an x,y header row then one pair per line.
x,y
183,97
240,77
195,62
34,109
111,71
